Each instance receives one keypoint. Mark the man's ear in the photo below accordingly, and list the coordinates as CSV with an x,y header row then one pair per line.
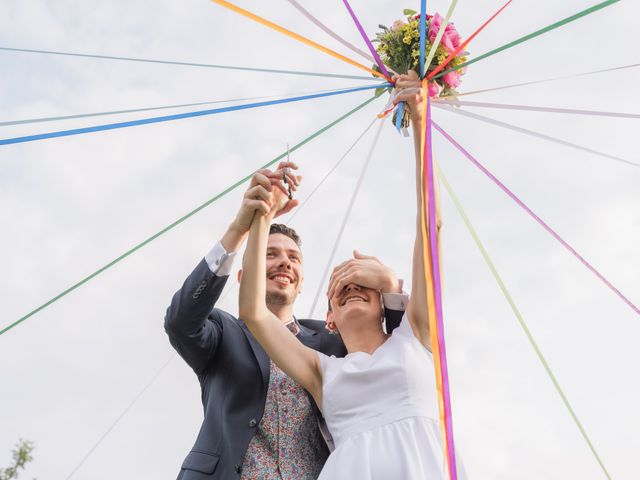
x,y
239,275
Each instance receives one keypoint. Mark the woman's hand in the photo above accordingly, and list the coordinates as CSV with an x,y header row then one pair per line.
x,y
409,90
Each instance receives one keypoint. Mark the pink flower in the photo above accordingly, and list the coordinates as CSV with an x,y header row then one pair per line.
x,y
452,79
434,89
397,25
450,37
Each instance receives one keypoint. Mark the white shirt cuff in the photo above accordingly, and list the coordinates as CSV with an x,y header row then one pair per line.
x,y
219,261
396,301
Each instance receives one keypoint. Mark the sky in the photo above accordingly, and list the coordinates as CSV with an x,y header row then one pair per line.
x,y
71,205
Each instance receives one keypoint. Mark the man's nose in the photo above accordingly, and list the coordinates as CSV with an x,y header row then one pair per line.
x,y
285,262
352,287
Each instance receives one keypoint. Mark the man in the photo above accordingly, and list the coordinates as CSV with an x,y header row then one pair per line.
x,y
258,423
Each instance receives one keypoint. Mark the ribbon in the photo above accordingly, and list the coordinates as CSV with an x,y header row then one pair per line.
x,y
205,65
431,251
178,116
465,43
536,82
531,133
399,113
376,57
530,108
428,274
423,35
330,32
183,218
438,38
347,213
520,40
295,36
147,109
294,214
519,316
530,212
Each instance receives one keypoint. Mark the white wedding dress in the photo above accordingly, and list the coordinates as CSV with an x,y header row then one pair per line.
x,y
382,411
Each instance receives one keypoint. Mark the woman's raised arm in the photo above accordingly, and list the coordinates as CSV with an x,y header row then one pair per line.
x,y
418,309
295,359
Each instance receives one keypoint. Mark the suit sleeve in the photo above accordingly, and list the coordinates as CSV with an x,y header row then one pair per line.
x,y
394,306
192,324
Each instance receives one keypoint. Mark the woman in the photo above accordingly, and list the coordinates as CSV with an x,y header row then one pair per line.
x,y
380,400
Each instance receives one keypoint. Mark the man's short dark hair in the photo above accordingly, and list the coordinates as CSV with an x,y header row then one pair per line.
x,y
286,231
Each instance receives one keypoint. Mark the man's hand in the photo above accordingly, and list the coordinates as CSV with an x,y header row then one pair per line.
x,y
259,198
365,271
281,200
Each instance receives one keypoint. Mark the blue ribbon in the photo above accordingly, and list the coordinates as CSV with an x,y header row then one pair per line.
x,y
179,116
399,113
423,34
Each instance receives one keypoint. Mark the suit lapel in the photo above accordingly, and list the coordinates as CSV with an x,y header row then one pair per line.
x,y
261,356
309,337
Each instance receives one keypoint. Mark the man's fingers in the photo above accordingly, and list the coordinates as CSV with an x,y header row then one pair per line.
x,y
291,204
286,164
360,256
261,177
277,182
294,180
258,205
259,192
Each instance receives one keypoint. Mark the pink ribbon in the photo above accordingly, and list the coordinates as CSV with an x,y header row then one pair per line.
x,y
330,32
536,218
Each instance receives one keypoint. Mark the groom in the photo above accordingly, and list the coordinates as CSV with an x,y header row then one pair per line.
x,y
258,423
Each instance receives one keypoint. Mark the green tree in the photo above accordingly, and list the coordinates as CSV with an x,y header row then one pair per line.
x,y
21,456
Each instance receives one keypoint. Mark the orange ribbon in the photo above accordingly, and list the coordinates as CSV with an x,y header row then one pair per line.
x,y
296,36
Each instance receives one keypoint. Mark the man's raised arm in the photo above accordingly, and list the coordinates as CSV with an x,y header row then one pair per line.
x,y
193,326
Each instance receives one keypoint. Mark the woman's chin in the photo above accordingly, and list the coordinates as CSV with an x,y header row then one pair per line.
x,y
357,312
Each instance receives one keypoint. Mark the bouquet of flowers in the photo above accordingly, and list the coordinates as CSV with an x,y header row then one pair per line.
x,y
399,49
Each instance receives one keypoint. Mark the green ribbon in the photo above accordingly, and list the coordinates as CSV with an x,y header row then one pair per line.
x,y
519,316
520,40
436,41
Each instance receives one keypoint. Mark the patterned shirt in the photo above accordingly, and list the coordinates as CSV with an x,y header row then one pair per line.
x,y
287,444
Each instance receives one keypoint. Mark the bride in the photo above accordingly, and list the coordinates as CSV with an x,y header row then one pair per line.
x,y
379,401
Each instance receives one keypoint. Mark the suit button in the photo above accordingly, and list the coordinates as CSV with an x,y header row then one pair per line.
x,y
238,468
252,422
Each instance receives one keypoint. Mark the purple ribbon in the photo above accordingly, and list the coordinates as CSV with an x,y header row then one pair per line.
x,y
376,57
435,262
536,218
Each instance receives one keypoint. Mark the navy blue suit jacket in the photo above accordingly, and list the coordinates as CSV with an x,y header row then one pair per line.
x,y
233,371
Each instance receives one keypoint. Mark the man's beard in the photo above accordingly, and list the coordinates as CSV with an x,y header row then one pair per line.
x,y
279,298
